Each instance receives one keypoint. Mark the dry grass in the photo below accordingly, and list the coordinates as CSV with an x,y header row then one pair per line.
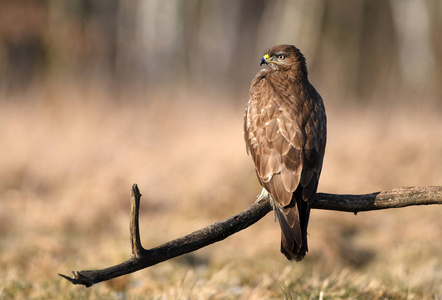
x,y
68,162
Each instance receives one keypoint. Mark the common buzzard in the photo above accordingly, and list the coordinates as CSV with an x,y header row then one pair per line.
x,y
285,133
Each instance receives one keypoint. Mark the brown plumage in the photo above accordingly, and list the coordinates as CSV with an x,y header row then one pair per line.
x,y
285,133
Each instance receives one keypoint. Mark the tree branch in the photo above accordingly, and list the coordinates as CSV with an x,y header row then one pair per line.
x,y
142,258
395,198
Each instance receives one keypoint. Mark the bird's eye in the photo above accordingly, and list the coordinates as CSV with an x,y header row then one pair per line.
x,y
281,56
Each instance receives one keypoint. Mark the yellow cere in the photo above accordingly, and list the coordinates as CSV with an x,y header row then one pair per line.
x,y
266,56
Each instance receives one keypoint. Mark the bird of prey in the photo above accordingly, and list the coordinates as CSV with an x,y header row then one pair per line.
x,y
285,133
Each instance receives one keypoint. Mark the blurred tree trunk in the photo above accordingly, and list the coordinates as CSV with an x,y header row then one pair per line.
x,y
416,54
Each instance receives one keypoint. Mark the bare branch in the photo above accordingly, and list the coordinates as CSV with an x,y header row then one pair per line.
x,y
134,226
395,198
142,258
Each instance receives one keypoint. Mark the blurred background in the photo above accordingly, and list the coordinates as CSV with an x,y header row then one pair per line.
x,y
360,50
97,95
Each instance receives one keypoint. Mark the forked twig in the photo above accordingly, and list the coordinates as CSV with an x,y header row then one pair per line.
x,y
142,258
135,196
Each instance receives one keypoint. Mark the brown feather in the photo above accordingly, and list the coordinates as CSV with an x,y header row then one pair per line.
x,y
285,133
291,160
272,130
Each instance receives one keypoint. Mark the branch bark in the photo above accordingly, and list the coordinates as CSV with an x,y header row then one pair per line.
x,y
142,258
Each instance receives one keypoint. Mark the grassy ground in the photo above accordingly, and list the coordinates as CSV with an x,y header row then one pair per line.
x,y
67,164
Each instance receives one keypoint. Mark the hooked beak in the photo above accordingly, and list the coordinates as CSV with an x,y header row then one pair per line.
x,y
264,60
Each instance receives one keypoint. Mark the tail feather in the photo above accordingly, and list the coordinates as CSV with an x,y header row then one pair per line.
x,y
293,221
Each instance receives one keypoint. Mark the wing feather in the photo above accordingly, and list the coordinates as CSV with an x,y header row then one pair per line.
x,y
289,180
272,130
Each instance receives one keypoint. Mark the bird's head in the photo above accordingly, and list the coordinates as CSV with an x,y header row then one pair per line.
x,y
284,57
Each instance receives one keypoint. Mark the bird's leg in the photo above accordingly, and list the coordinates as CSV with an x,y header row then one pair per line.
x,y
264,196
